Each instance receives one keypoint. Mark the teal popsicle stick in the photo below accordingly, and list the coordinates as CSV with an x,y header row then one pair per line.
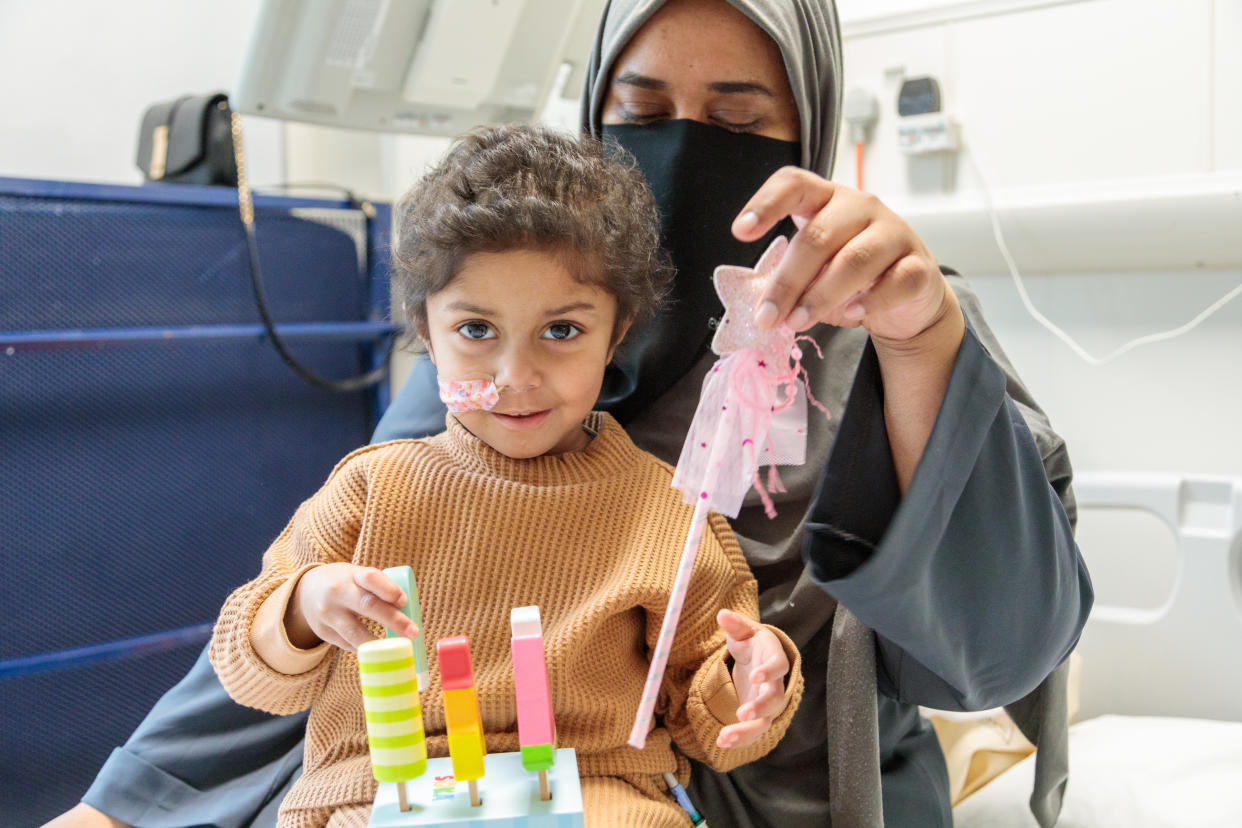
x,y
403,576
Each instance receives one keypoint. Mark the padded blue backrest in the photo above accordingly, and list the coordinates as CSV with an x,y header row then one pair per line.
x,y
142,481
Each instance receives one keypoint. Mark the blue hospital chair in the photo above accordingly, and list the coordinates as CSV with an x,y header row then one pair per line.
x,y
152,442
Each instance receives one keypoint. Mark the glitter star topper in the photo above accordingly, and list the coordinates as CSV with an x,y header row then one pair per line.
x,y
740,289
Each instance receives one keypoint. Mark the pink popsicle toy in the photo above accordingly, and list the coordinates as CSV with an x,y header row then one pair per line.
x,y
536,725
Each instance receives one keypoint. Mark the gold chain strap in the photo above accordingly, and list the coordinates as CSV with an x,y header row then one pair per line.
x,y
244,202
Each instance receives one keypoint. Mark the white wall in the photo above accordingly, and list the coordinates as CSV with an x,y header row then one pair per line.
x,y
1076,101
75,78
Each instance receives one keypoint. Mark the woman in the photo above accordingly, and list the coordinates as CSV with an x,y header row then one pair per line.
x,y
922,555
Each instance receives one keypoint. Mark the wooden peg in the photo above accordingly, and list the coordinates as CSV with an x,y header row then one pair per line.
x,y
402,798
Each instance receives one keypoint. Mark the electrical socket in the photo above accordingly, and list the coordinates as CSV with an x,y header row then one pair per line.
x,y
929,132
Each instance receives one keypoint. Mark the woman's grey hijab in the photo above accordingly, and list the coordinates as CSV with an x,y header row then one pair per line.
x,y
809,38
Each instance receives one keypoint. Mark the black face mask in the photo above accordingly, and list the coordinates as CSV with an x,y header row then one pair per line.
x,y
701,176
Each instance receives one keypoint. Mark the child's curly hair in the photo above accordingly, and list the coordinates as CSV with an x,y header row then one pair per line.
x,y
522,187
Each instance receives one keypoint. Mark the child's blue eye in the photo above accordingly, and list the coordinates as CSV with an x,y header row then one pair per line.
x,y
476,330
561,331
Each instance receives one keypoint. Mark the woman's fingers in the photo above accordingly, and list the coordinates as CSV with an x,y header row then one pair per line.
x,y
830,218
897,306
802,287
762,705
809,199
790,191
857,268
852,262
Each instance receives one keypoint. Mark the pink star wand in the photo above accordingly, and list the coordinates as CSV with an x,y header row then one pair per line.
x,y
752,409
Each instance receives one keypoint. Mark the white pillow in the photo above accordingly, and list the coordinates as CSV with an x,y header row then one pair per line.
x,y
1129,772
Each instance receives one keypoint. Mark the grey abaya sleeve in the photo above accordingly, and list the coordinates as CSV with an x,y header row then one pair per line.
x,y
972,581
200,758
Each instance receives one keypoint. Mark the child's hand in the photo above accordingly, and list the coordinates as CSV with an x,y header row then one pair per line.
x,y
328,600
759,670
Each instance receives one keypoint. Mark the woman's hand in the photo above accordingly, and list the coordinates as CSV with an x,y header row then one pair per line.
x,y
855,262
759,670
852,262
329,601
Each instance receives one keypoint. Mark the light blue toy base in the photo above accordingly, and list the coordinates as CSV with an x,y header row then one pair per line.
x,y
509,792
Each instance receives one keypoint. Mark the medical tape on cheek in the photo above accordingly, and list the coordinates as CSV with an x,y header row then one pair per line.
x,y
469,395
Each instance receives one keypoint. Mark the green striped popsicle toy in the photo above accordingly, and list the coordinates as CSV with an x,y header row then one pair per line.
x,y
394,716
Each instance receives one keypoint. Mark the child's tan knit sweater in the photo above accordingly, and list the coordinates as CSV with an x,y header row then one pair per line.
x,y
591,537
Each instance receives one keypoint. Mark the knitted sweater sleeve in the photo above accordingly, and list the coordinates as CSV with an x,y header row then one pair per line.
x,y
250,650
698,697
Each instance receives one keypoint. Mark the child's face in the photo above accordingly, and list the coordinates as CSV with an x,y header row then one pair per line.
x,y
522,319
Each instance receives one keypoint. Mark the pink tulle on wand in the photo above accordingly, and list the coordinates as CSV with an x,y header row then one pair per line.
x,y
752,411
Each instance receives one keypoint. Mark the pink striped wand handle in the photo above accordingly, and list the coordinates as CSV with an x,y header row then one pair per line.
x,y
668,628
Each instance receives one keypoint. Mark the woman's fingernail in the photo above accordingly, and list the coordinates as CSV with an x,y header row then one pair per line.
x,y
854,310
746,222
799,318
765,317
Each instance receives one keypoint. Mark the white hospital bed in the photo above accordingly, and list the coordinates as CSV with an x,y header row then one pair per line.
x,y
1159,736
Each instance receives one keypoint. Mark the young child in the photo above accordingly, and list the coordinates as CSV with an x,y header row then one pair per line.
x,y
522,258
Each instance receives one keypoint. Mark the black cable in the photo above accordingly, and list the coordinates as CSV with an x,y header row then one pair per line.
x,y
245,205
346,385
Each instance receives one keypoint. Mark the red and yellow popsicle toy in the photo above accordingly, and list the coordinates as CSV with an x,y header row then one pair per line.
x,y
461,712
536,725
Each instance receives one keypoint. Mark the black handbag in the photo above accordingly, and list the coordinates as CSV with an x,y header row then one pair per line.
x,y
188,141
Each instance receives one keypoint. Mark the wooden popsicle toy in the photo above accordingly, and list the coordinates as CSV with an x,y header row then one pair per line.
x,y
393,715
536,725
403,576
461,712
